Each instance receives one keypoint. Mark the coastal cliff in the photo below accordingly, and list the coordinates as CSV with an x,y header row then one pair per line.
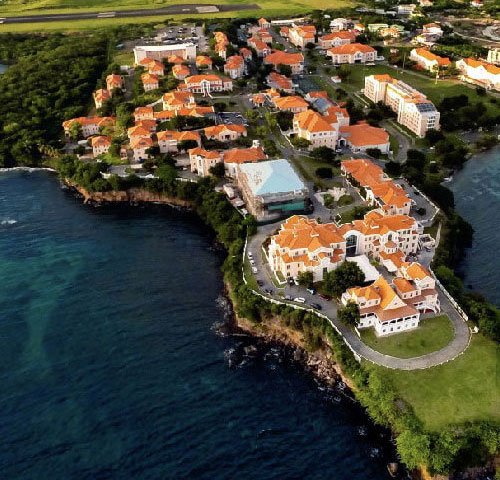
x,y
133,195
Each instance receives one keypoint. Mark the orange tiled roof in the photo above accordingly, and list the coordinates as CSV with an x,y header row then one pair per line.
x,y
99,121
100,141
351,48
178,136
402,285
149,124
149,78
343,34
202,60
102,95
489,67
175,59
293,101
417,271
442,61
234,62
363,134
244,155
312,121
143,111
201,152
141,142
114,81
180,70
218,129
284,83
138,131
200,78
283,58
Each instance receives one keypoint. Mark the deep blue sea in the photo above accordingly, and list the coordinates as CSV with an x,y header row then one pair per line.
x,y
477,199
112,368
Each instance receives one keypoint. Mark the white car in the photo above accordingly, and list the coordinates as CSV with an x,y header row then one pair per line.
x,y
250,255
299,300
296,282
254,269
252,262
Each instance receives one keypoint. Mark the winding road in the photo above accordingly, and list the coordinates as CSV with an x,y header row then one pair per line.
x,y
456,347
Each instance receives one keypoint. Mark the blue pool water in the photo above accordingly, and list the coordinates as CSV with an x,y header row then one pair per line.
x,y
111,367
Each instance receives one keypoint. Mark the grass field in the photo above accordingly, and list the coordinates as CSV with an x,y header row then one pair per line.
x,y
435,92
431,335
466,389
271,8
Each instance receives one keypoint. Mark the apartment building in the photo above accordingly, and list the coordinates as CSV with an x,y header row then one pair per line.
x,y
429,61
206,84
352,53
336,39
479,72
312,126
169,140
413,109
294,60
301,35
235,66
187,51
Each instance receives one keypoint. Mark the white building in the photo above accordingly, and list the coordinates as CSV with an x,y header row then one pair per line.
x,y
352,53
313,127
187,51
413,109
479,72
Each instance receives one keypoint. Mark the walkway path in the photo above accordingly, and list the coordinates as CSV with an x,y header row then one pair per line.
x,y
329,308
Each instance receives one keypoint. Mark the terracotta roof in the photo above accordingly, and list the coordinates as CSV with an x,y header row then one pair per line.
x,y
83,121
318,94
199,78
175,59
293,101
149,78
417,271
283,58
282,82
102,95
351,48
312,121
218,129
138,131
383,78
234,62
166,135
362,134
100,141
148,124
245,52
202,60
180,70
114,81
141,142
201,152
244,155
403,286
489,67
343,34
258,44
143,111
442,61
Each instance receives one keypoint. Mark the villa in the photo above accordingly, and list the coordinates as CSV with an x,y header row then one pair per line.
x,y
202,61
206,84
480,72
89,125
428,60
140,146
235,66
176,100
378,189
313,127
150,81
202,160
225,133
114,82
302,35
280,82
352,53
292,103
100,144
336,39
294,60
169,140
100,97
154,67
180,72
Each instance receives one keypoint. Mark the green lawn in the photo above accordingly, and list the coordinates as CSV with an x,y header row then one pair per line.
x,y
466,389
431,335
435,92
307,167
124,58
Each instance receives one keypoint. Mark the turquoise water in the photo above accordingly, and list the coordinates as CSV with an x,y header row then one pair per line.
x,y
477,199
112,368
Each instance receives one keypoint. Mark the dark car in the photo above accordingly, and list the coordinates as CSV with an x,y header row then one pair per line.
x,y
317,306
325,297
260,283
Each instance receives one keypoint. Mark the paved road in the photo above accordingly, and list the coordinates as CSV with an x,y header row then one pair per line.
x,y
144,12
329,308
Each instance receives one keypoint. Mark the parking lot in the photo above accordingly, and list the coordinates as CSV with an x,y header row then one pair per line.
x,y
231,118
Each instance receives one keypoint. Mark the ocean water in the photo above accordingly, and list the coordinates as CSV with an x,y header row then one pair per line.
x,y
477,199
112,368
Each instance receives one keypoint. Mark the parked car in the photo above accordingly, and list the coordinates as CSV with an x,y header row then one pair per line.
x,y
296,281
254,269
317,306
288,297
260,283
312,291
325,297
250,255
299,300
290,281
252,262
268,291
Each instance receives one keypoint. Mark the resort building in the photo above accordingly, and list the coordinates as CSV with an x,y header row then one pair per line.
x,y
202,61
138,131
206,84
150,81
362,136
493,56
221,43
237,156
176,100
417,286
382,308
337,116
175,60
264,35
352,53
338,24
180,72
144,113
302,35
271,188
100,97
187,51
294,60
304,245
479,72
114,82
413,109
140,146
336,39
280,82
169,140
235,66
100,144
428,60
225,133
378,189
149,125
202,160
89,125
262,48
292,103
154,67
263,23
313,127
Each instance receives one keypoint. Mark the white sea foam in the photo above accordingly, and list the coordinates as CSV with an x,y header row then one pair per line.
x,y
8,221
